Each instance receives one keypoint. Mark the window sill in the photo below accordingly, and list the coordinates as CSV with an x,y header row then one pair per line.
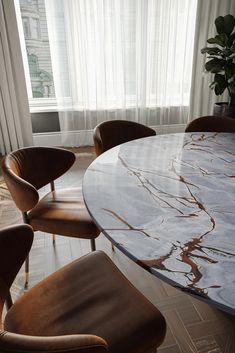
x,y
52,107
44,105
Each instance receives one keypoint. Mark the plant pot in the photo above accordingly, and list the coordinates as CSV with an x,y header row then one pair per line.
x,y
224,109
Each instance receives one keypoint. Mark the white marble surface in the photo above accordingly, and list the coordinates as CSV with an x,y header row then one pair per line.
x,y
168,202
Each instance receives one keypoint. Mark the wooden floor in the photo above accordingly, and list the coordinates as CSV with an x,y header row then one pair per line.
x,y
193,326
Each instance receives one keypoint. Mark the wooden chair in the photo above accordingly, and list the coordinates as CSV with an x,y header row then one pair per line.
x,y
87,306
114,132
60,212
211,123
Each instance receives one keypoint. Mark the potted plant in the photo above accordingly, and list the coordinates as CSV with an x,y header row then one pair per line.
x,y
221,63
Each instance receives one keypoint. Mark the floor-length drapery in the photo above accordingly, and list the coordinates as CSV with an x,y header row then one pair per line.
x,y
202,97
120,59
15,124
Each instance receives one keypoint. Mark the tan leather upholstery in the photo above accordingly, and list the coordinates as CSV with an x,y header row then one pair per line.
x,y
15,244
28,169
114,132
211,123
63,210
87,306
60,212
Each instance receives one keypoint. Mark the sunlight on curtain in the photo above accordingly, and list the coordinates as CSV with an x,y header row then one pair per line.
x,y
15,123
121,59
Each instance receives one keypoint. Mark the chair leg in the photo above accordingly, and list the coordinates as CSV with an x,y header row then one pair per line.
x,y
25,219
53,239
93,247
26,272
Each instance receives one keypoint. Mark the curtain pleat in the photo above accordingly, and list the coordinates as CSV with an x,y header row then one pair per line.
x,y
121,59
15,123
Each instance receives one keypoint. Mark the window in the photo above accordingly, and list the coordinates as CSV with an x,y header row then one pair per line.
x,y
35,28
26,27
34,24
110,49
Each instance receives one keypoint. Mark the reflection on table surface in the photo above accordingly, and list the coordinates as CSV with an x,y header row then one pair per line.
x,y
168,202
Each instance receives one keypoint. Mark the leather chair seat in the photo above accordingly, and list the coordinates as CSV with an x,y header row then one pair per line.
x,y
63,212
89,296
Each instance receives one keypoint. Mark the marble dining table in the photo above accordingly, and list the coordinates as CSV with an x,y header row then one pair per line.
x,y
168,203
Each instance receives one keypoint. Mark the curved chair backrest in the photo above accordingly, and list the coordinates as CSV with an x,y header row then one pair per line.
x,y
28,169
114,132
15,244
211,123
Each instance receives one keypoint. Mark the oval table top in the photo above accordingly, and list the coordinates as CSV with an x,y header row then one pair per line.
x,y
168,203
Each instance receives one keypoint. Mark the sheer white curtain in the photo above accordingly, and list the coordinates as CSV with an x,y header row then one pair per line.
x,y
202,97
120,59
15,123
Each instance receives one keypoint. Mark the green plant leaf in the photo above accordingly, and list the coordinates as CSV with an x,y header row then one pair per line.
x,y
211,51
230,70
229,23
219,84
220,79
225,24
215,65
221,59
232,87
219,90
214,57
231,40
221,39
227,52
219,23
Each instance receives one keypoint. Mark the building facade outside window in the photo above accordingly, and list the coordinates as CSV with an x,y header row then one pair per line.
x,y
110,56
37,46
26,27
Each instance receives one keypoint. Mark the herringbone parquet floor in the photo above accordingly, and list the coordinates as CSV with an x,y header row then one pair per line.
x,y
193,326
